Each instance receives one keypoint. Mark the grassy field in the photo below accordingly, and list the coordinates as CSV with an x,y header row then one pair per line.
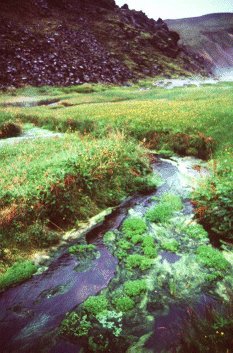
x,y
49,185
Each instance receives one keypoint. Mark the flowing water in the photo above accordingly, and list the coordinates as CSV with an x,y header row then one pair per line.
x,y
31,312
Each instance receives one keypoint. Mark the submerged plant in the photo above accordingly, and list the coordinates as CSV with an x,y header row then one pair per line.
x,y
134,226
124,303
170,245
212,258
138,261
75,325
95,304
135,288
164,210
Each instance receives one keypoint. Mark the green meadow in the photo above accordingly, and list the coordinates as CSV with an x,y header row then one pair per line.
x,y
48,185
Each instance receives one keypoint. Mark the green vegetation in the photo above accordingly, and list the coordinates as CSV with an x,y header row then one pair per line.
x,y
134,226
214,198
170,245
53,182
212,258
19,272
82,250
211,332
135,288
165,209
138,261
8,127
196,231
124,303
75,325
94,305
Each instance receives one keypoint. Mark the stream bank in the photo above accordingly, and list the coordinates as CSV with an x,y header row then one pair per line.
x,y
174,278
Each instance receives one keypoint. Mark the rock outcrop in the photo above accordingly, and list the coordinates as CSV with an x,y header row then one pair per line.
x,y
60,42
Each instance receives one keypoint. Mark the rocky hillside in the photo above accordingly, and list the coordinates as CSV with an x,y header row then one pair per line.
x,y
210,36
65,42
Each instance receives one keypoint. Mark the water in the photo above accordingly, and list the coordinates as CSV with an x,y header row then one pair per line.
x,y
31,312
30,134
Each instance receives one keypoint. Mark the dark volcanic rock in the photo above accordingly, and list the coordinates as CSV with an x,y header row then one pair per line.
x,y
61,42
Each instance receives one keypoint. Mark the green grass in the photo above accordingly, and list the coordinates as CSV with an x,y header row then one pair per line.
x,y
63,180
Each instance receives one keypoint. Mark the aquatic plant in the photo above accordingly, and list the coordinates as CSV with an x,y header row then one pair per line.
x,y
212,258
111,320
211,332
195,231
124,303
164,210
135,288
109,238
75,325
95,304
124,244
170,245
82,249
138,261
133,226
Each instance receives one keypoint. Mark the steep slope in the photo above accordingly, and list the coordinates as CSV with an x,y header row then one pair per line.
x,y
210,36
47,42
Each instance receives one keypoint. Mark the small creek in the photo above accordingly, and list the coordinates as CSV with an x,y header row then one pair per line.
x,y
31,312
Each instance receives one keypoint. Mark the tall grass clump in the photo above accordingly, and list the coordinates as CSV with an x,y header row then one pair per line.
x,y
8,126
214,198
62,180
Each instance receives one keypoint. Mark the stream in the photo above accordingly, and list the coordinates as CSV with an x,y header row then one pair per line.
x,y
31,312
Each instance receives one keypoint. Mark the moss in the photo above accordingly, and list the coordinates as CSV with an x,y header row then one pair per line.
x,y
212,258
170,245
19,272
124,303
135,288
95,304
138,261
133,226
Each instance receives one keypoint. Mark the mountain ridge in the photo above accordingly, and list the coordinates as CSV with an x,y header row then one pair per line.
x,y
210,36
51,42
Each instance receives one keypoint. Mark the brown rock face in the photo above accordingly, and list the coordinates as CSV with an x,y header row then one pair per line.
x,y
66,42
